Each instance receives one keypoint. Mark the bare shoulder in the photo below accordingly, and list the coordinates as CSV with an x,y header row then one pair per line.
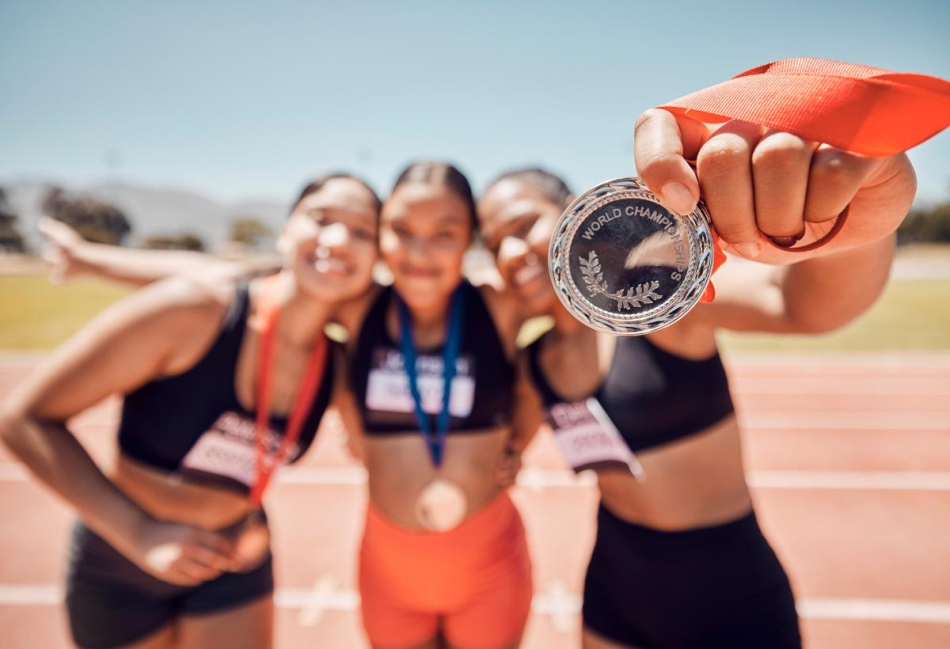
x,y
158,331
189,300
181,314
197,309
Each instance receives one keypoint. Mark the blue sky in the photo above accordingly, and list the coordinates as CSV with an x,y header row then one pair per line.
x,y
244,100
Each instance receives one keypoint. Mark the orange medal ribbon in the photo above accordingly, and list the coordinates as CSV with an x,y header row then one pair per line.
x,y
269,311
856,108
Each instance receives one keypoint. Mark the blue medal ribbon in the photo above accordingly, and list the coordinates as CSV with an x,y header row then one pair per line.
x,y
450,354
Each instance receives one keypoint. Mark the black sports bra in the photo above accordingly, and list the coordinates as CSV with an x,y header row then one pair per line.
x,y
167,419
653,397
482,391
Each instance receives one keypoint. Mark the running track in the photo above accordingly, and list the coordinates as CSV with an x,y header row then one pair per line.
x,y
848,456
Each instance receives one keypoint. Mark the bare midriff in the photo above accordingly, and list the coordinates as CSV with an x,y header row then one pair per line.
x,y
166,497
695,482
400,468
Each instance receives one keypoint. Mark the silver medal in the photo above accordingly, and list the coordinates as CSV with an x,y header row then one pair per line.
x,y
624,264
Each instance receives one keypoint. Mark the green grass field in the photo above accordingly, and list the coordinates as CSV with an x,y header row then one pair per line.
x,y
911,315
37,316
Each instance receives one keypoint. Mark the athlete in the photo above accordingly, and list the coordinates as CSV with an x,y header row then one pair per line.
x,y
679,560
222,382
443,561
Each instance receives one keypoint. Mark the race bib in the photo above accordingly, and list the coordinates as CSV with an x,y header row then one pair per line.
x,y
387,389
588,438
226,454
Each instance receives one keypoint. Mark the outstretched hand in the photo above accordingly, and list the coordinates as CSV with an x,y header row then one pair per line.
x,y
63,251
765,187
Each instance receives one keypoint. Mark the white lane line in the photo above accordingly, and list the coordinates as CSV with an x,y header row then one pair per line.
x,y
896,360
558,603
314,602
332,476
536,479
898,421
324,592
883,610
554,601
748,387
30,595
862,480
900,362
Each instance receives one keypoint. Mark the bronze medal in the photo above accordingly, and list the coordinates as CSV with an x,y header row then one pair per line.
x,y
441,506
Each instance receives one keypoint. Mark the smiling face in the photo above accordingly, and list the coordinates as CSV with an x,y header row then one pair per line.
x,y
425,229
517,220
329,241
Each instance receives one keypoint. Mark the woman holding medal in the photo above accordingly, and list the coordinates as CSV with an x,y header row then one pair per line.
x,y
679,559
222,383
443,560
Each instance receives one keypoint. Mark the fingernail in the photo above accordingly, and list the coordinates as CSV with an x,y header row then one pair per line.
x,y
677,198
788,242
749,250
784,242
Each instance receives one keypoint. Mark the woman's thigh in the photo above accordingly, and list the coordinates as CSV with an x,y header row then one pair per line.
x,y
248,626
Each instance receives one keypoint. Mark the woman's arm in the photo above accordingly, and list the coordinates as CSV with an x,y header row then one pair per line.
x,y
527,417
70,256
345,403
814,296
156,332
525,423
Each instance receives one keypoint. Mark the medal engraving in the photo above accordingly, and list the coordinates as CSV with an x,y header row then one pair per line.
x,y
623,263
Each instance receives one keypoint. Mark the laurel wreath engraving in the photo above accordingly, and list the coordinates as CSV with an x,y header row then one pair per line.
x,y
625,299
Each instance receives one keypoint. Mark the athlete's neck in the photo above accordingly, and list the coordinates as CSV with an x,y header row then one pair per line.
x,y
429,323
302,317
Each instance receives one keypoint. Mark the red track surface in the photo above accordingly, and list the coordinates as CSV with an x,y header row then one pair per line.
x,y
849,458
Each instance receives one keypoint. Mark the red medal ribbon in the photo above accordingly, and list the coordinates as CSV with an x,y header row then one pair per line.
x,y
268,311
857,108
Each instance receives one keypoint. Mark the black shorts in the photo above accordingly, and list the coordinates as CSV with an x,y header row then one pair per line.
x,y
112,602
710,588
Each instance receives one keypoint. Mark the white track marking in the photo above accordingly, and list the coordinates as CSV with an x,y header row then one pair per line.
x,y
897,421
870,480
554,601
31,595
794,386
535,479
332,476
562,606
884,361
883,610
321,598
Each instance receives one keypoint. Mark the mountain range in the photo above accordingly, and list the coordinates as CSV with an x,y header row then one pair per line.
x,y
150,211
